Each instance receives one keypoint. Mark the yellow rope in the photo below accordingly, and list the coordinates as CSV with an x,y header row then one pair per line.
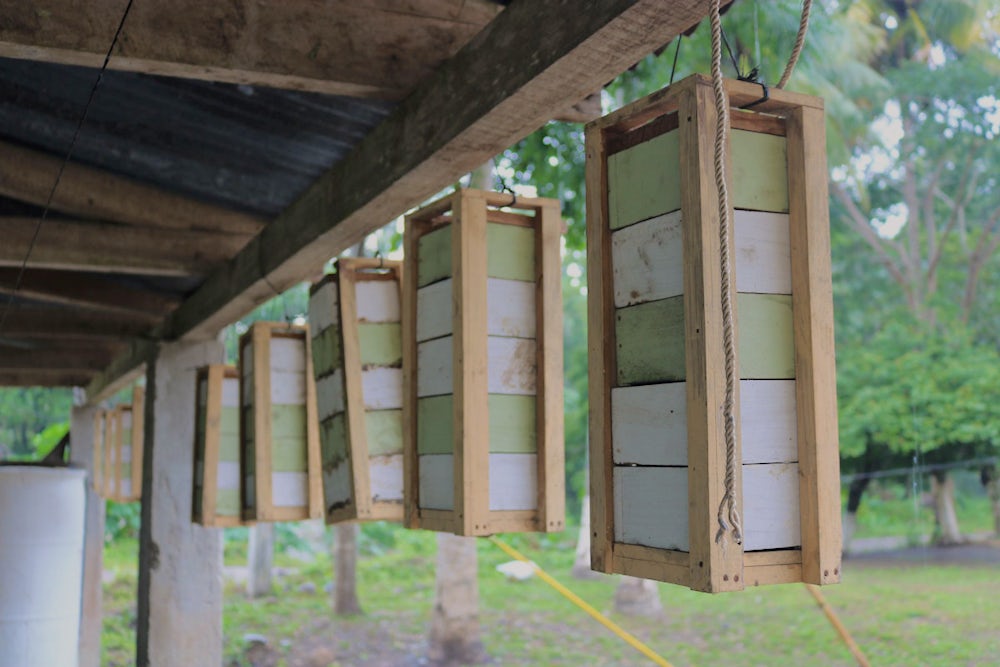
x,y
579,602
831,615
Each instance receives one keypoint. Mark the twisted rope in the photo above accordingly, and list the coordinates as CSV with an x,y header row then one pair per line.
x,y
728,516
800,39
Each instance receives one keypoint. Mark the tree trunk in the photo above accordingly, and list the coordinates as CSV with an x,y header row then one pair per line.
x,y
854,495
638,597
943,490
991,482
345,565
260,557
454,636
581,565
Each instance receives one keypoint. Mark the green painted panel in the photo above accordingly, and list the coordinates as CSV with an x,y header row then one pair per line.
x,y
227,502
326,351
380,344
434,425
513,428
760,171
510,252
229,432
288,455
651,342
126,469
434,251
333,441
229,448
644,181
385,432
766,336
288,421
127,435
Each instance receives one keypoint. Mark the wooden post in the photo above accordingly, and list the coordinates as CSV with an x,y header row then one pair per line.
x,y
260,559
179,619
84,421
657,370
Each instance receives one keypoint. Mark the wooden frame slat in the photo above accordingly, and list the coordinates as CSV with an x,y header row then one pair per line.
x,y
207,452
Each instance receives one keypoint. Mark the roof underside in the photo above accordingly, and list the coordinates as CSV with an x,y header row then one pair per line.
x,y
221,135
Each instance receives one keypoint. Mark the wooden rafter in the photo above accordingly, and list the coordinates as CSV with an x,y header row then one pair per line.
x,y
27,175
86,291
44,378
41,323
108,247
359,48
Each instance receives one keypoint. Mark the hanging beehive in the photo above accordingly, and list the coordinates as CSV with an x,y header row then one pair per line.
x,y
657,362
279,431
357,360
216,499
123,437
97,472
482,366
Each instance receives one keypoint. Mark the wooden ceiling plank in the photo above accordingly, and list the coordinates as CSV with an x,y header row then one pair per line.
x,y
115,248
13,359
87,291
373,48
44,378
39,323
27,175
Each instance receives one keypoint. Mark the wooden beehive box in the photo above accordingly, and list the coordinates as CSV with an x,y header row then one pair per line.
x,y
357,360
279,430
657,370
216,499
482,366
123,437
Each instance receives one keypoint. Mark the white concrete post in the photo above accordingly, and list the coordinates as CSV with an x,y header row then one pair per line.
x,y
180,564
81,438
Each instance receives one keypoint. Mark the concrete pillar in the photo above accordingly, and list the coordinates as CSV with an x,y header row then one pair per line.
x,y
260,560
81,434
179,620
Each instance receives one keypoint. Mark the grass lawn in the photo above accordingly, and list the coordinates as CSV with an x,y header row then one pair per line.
x,y
900,615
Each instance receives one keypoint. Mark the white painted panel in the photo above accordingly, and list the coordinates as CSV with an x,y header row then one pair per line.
x,y
230,392
434,367
771,506
323,311
378,300
647,260
288,388
649,424
437,481
767,421
288,354
512,365
330,394
337,485
289,489
651,507
126,487
434,310
382,388
763,255
228,475
126,453
510,308
513,481
386,476
126,419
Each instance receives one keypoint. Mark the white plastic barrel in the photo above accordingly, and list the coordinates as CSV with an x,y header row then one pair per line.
x,y
41,565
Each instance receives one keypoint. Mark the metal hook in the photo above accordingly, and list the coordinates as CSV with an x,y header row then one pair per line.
x,y
381,260
765,98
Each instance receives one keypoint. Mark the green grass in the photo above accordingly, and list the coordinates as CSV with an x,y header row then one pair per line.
x,y
887,510
921,615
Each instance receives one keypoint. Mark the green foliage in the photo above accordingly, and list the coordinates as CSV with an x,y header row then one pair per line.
x,y
121,521
26,412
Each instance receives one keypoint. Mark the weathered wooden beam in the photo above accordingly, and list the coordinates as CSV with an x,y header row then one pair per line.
x,y
44,323
27,175
44,378
534,59
88,291
359,48
57,359
77,245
